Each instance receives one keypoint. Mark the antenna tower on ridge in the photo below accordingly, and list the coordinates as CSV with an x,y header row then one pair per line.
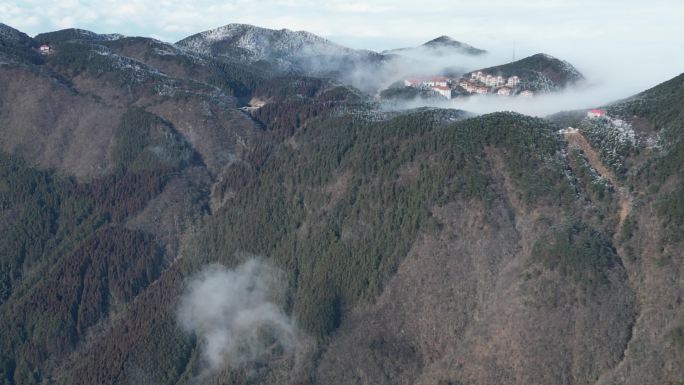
x,y
513,51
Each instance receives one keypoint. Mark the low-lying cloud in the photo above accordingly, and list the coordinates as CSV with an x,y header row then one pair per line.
x,y
584,96
573,98
612,72
236,314
415,62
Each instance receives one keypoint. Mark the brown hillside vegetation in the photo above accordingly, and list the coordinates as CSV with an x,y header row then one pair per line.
x,y
420,247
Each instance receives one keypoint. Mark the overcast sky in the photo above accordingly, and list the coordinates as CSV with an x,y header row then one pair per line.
x,y
635,39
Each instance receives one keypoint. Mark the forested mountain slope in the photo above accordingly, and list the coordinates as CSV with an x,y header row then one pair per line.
x,y
416,247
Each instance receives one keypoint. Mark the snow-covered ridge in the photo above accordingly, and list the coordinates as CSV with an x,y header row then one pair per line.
x,y
570,70
166,49
256,43
136,71
567,68
89,35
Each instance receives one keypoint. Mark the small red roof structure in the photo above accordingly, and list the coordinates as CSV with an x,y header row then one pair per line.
x,y
596,113
443,88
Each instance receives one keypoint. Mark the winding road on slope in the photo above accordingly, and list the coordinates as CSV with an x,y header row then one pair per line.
x,y
574,137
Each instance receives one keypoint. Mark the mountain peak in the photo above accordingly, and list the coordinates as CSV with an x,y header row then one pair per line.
x,y
446,42
444,39
542,55
441,45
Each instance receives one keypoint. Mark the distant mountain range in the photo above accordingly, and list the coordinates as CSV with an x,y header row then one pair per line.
x,y
284,51
292,49
300,52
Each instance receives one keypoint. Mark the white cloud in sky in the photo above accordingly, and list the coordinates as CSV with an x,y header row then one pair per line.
x,y
602,38
469,20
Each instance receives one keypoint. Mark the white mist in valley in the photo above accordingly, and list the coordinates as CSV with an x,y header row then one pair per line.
x,y
572,98
612,72
236,315
417,61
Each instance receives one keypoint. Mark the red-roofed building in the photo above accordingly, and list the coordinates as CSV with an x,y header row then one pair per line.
x,y
596,113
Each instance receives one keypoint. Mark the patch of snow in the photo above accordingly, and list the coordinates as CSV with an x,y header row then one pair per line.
x,y
624,131
96,36
165,89
569,130
571,71
653,143
136,71
166,51
614,138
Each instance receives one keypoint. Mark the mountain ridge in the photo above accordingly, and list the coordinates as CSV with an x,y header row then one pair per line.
x,y
74,33
290,50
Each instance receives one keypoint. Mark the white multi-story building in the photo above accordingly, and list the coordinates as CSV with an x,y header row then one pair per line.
x,y
440,81
466,85
443,90
473,88
513,81
481,90
477,75
504,91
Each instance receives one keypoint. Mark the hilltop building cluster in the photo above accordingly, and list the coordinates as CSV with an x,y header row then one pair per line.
x,y
477,83
439,84
494,81
484,83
